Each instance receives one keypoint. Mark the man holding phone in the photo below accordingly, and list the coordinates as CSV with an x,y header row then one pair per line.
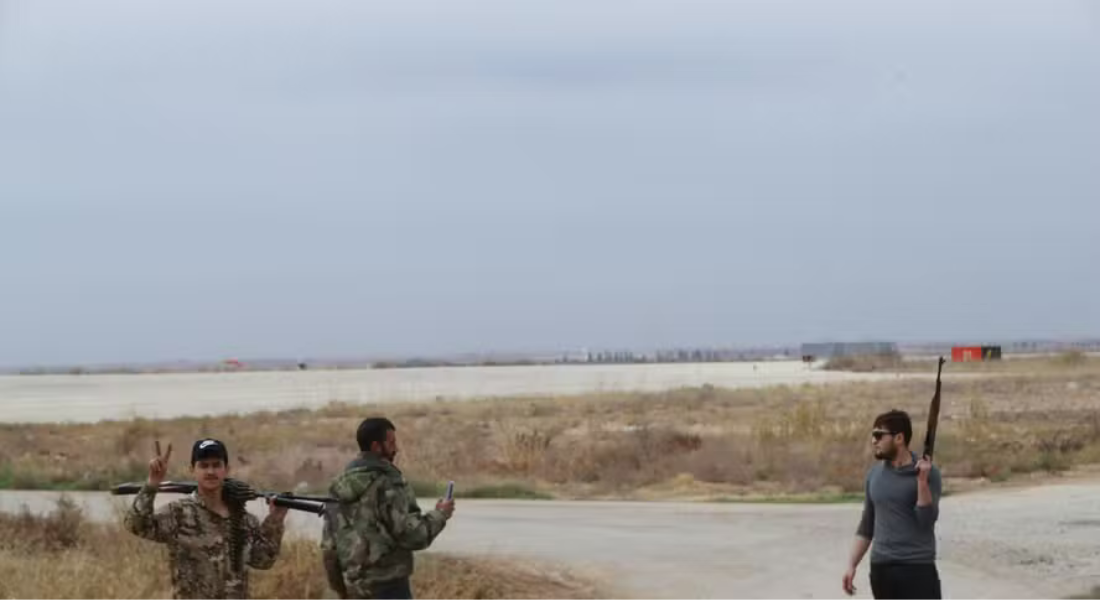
x,y
371,533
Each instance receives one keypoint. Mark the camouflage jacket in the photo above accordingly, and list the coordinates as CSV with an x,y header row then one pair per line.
x,y
198,544
371,534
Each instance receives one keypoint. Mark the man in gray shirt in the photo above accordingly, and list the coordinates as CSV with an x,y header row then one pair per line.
x,y
899,514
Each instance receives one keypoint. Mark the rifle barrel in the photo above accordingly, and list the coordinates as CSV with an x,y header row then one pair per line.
x,y
306,497
303,505
167,486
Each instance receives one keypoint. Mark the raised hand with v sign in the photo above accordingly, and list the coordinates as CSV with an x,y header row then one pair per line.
x,y
158,467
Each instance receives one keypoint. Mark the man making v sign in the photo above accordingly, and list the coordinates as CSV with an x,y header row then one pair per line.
x,y
196,528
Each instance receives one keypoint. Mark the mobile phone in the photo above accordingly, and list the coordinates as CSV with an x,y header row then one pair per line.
x,y
450,491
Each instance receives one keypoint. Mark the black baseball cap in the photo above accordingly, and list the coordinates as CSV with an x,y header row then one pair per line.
x,y
209,448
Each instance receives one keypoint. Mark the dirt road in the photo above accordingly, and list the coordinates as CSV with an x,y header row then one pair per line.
x,y
84,398
1029,543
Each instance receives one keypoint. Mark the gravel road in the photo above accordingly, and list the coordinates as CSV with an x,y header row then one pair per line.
x,y
1024,543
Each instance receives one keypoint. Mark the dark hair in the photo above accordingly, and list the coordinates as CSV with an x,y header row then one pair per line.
x,y
373,430
896,421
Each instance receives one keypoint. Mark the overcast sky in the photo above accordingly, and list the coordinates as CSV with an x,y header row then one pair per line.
x,y
274,179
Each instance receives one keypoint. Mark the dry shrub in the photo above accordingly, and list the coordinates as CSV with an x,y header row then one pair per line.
x,y
996,445
1070,358
293,467
61,555
723,460
136,438
522,449
487,577
806,448
458,448
656,443
629,457
60,530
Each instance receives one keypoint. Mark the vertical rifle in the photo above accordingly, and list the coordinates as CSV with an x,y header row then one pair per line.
x,y
933,416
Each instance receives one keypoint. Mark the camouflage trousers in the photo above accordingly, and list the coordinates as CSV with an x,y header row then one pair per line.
x,y
394,589
398,589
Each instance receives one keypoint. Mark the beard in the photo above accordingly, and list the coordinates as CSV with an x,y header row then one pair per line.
x,y
886,453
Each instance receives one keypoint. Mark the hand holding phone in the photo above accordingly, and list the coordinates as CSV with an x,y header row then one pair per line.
x,y
447,504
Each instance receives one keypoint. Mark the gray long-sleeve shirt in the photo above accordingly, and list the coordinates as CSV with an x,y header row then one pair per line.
x,y
901,531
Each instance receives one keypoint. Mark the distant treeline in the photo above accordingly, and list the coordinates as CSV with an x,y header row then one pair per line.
x,y
429,363
693,356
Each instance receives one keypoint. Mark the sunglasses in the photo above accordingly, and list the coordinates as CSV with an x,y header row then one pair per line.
x,y
878,433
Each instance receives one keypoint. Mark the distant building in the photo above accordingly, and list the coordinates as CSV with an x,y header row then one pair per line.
x,y
821,350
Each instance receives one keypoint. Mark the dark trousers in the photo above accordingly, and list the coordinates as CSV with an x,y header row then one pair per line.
x,y
894,580
395,589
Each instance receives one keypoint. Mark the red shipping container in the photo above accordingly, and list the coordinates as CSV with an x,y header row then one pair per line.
x,y
965,353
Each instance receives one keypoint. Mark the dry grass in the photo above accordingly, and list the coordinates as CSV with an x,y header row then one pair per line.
x,y
865,363
699,442
62,555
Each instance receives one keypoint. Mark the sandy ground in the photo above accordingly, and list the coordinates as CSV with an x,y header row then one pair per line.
x,y
84,398
1036,542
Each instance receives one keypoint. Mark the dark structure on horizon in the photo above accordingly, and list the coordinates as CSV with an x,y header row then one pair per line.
x,y
827,350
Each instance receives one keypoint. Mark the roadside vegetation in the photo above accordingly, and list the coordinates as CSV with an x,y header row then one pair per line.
x,y
64,555
782,443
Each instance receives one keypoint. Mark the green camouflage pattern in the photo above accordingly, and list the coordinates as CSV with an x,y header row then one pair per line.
x,y
198,544
371,533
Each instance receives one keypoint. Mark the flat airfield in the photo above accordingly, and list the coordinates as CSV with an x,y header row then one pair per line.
x,y
1031,542
90,398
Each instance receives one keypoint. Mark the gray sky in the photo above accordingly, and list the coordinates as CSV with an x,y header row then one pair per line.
x,y
207,179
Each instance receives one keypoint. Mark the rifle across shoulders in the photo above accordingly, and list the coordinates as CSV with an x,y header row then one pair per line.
x,y
198,544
